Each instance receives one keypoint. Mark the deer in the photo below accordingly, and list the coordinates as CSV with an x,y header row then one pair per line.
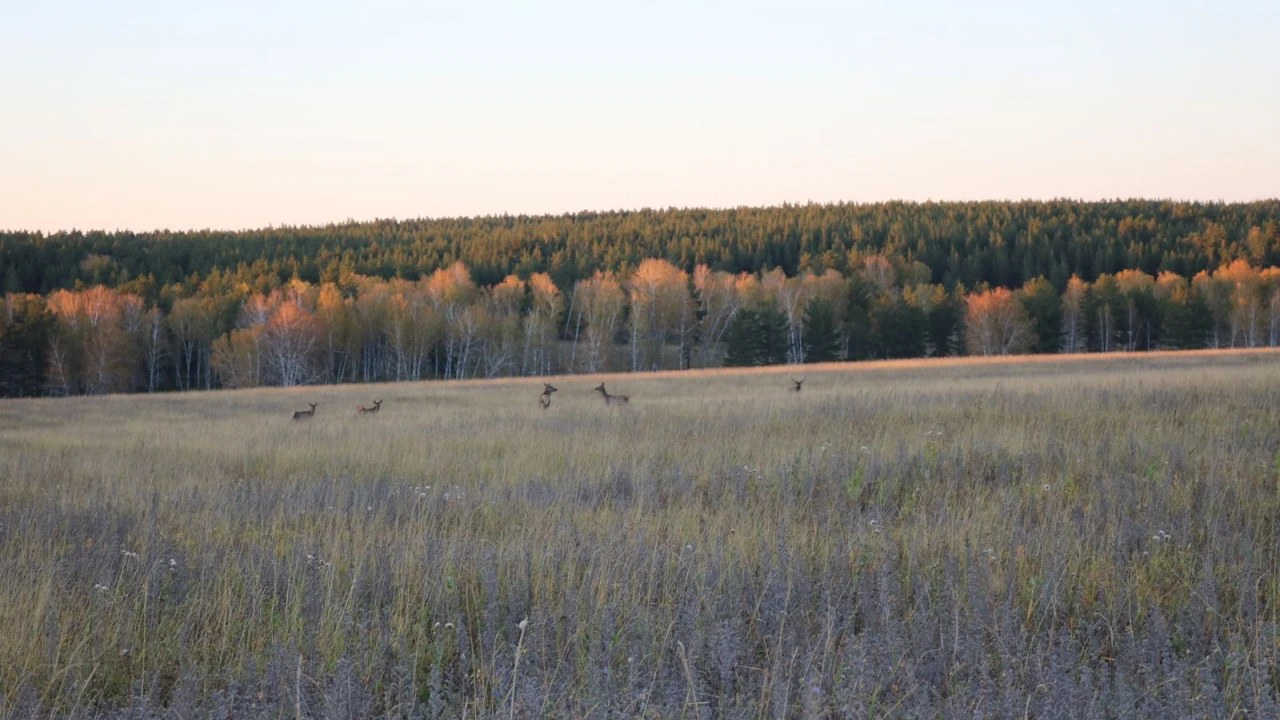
x,y
362,410
305,414
544,400
613,399
798,384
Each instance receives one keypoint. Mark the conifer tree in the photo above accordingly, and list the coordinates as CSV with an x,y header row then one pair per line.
x,y
1044,308
821,337
774,339
743,341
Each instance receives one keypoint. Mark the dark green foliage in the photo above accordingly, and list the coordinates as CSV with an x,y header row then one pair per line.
x,y
773,335
757,336
695,338
900,329
857,325
821,336
944,318
1141,324
25,327
1044,308
1187,322
12,284
1000,243
743,340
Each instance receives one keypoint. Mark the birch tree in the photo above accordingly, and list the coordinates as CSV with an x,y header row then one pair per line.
x,y
600,303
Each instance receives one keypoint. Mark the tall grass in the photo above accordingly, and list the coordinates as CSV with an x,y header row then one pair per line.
x,y
1049,539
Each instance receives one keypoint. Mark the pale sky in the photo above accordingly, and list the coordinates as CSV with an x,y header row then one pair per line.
x,y
239,114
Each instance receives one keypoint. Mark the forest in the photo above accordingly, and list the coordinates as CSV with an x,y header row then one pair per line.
x,y
91,313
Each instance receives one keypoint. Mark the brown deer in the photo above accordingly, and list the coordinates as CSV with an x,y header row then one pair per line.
x,y
613,399
544,399
798,384
377,405
305,414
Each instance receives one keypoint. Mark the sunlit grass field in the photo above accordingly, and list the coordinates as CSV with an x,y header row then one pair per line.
x,y
1045,537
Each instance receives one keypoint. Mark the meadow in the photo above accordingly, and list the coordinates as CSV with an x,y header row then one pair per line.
x,y
1051,537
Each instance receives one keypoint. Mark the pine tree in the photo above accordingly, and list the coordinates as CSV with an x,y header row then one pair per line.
x,y
944,316
743,340
694,339
25,328
857,313
899,329
821,338
1187,322
773,335
12,284
1044,308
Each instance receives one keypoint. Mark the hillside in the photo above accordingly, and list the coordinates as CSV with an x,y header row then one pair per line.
x,y
649,290
1001,243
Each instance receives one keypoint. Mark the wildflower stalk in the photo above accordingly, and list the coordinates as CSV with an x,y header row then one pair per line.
x,y
515,672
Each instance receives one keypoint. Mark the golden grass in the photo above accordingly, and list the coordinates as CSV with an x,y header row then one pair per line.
x,y
464,502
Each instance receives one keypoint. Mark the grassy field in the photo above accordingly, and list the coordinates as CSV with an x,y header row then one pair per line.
x,y
1048,538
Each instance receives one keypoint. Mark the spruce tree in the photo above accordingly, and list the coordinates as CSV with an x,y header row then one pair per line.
x,y
900,329
857,313
742,340
1044,308
1187,322
11,282
24,340
773,335
944,323
821,338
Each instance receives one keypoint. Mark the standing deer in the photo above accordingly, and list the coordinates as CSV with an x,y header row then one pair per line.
x,y
544,399
798,384
613,399
305,414
377,405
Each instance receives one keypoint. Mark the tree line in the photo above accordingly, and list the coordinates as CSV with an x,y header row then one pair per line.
x,y
237,329
1003,244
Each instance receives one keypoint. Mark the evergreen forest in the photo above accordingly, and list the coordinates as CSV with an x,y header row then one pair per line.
x,y
96,312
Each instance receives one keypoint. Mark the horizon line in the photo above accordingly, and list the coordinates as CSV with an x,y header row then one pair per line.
x,y
643,209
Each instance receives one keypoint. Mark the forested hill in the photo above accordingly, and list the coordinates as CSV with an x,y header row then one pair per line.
x,y
1004,244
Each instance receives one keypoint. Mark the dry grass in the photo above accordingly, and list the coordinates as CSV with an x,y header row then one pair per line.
x,y
1064,537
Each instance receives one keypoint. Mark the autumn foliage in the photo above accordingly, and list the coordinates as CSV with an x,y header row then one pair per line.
x,y
227,332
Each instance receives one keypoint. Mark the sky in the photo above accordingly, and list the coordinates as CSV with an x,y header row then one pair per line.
x,y
231,115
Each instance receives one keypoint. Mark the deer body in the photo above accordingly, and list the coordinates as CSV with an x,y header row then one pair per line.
x,y
612,399
377,405
305,414
544,400
798,384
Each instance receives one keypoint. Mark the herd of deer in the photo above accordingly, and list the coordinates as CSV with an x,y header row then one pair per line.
x,y
544,401
360,411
